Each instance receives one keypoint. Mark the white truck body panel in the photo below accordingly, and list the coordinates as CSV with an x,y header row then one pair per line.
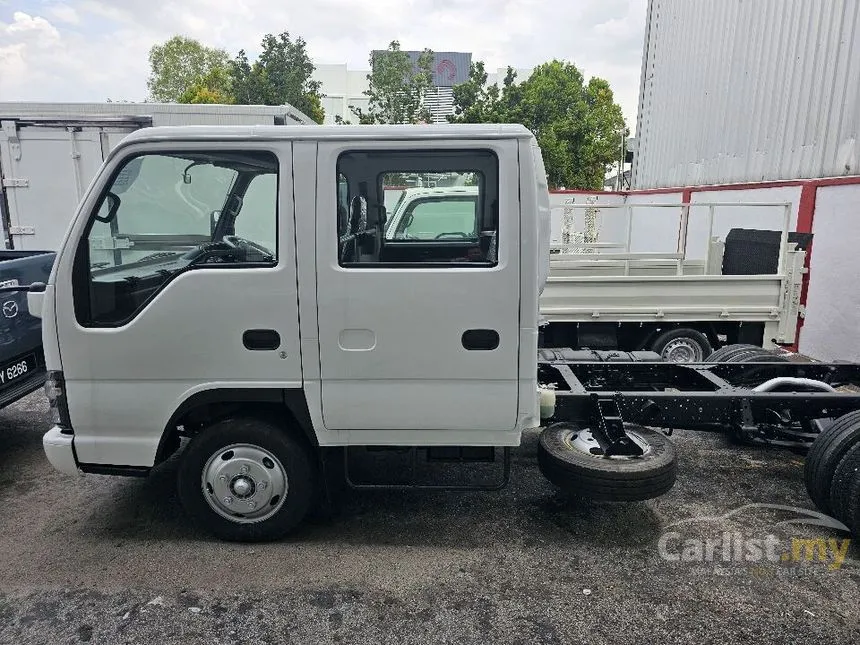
x,y
124,383
378,347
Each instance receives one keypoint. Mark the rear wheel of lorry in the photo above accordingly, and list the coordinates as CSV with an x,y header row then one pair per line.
x,y
852,511
246,479
847,470
571,458
682,345
723,354
828,449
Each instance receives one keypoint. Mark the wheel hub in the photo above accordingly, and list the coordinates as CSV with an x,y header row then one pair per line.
x,y
243,486
244,483
682,350
583,441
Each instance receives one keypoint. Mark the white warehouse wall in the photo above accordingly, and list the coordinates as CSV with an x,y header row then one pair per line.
x,y
831,329
655,229
748,90
729,217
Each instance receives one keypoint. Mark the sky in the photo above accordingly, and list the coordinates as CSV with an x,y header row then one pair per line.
x,y
93,50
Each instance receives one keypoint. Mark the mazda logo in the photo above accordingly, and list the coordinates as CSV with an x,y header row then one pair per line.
x,y
10,309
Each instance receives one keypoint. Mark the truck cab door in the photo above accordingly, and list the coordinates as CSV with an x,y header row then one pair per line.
x,y
419,330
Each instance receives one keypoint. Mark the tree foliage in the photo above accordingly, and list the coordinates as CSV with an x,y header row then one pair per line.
x,y
281,74
185,71
397,90
577,124
181,63
212,88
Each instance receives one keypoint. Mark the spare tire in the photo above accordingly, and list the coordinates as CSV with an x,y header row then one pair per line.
x,y
722,354
828,449
570,458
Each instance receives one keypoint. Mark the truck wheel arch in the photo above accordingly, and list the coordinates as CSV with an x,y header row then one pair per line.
x,y
213,404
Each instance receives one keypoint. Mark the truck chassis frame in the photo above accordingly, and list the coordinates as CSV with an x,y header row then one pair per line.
x,y
783,404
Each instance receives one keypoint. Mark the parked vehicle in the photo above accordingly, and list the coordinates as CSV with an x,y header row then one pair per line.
x,y
22,364
49,152
602,296
236,287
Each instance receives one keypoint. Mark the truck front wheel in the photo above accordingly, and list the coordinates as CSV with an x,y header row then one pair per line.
x,y
246,479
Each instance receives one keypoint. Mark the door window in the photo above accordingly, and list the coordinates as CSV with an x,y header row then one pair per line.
x,y
423,208
165,214
434,218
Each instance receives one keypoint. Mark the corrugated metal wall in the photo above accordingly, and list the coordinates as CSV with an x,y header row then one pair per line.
x,y
748,90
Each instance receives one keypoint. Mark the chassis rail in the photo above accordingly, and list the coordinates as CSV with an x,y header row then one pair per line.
x,y
704,396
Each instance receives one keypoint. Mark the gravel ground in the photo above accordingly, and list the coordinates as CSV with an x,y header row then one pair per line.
x,y
113,560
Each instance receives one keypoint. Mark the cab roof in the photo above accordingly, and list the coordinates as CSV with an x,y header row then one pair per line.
x,y
327,132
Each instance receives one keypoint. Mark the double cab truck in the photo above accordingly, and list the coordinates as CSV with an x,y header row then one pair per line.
x,y
231,294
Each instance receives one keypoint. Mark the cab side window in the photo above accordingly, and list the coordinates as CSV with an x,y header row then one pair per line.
x,y
424,208
165,214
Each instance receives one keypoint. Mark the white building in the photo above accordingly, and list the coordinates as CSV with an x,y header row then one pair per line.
x,y
343,87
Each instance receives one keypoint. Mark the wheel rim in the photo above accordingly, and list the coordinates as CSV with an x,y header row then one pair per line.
x,y
583,441
244,483
682,350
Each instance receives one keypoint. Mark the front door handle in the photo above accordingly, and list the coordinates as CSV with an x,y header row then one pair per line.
x,y
261,339
480,339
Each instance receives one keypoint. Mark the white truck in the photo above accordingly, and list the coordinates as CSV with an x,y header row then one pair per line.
x,y
231,292
600,295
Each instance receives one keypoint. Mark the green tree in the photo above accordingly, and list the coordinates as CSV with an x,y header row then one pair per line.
x,y
577,124
180,63
477,102
281,74
397,90
212,88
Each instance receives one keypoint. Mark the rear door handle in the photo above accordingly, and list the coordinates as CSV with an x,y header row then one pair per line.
x,y
261,339
480,339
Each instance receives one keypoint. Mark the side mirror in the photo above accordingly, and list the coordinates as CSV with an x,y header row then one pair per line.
x,y
112,202
214,216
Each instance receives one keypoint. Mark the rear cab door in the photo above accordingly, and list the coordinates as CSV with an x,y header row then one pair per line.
x,y
419,331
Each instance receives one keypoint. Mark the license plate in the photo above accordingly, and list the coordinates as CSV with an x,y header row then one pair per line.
x,y
17,370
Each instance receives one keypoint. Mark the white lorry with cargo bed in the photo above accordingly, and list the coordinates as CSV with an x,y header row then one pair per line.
x,y
231,293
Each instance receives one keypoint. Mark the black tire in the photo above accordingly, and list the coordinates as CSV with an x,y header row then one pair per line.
x,y
828,449
722,353
847,470
607,479
852,514
760,356
695,342
291,457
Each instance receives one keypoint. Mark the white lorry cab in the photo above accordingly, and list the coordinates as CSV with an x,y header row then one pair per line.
x,y
222,282
240,296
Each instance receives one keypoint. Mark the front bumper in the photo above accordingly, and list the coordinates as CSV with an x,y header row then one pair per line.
x,y
60,452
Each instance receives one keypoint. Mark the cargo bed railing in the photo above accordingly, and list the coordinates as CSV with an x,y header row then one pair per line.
x,y
590,248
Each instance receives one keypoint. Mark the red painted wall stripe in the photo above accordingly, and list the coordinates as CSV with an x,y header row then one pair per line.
x,y
805,217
